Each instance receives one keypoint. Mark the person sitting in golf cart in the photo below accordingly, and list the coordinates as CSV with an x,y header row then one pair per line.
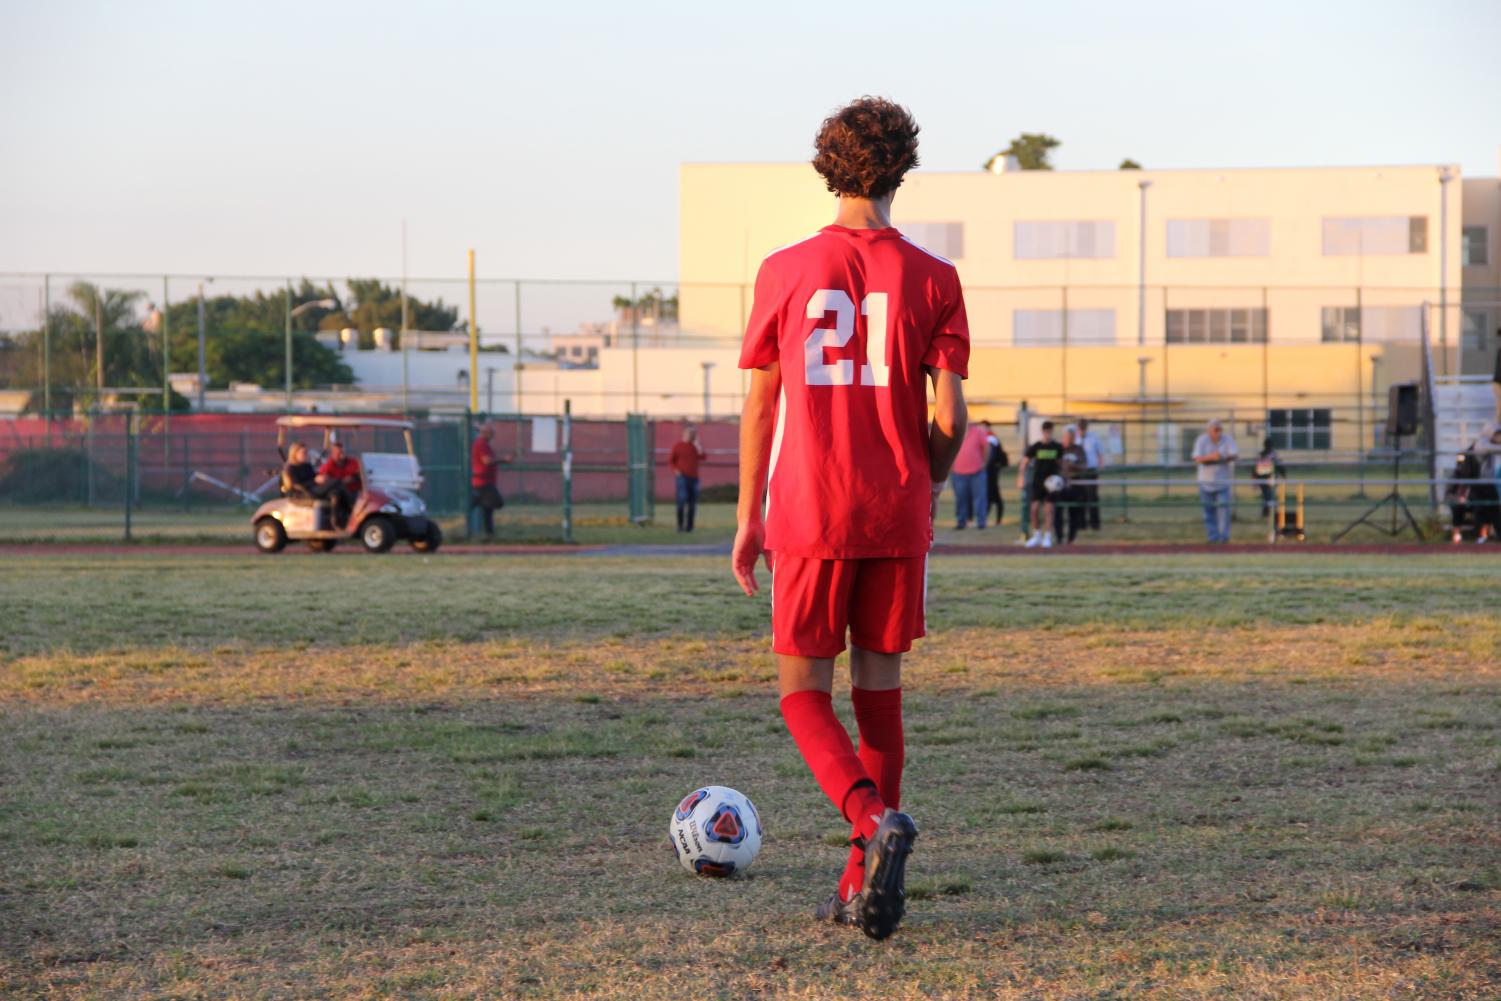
x,y
339,479
298,478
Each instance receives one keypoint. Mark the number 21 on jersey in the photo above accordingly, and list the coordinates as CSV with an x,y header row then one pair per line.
x,y
816,371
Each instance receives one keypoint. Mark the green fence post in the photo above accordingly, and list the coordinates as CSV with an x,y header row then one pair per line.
x,y
568,471
467,431
88,455
648,441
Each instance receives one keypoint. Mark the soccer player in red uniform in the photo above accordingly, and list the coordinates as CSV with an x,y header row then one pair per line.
x,y
847,329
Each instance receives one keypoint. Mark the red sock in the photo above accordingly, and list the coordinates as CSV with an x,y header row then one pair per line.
x,y
883,750
883,753
831,757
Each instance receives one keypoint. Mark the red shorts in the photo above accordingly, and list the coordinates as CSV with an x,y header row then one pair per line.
x,y
880,601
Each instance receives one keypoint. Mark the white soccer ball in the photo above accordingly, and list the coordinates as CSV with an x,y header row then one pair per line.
x,y
1053,484
716,831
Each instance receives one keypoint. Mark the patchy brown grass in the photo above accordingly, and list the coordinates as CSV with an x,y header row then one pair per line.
x,y
1166,809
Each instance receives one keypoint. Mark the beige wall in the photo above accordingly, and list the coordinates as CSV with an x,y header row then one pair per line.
x,y
733,214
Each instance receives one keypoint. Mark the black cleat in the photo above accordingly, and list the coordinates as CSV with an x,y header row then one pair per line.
x,y
841,912
883,897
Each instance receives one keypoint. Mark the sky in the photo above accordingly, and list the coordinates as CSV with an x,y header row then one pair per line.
x,y
295,138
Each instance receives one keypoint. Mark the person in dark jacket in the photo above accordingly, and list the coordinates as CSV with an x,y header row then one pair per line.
x,y
1268,471
995,461
298,475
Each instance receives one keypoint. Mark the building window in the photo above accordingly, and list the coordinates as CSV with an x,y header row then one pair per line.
x,y
1216,326
1372,323
946,239
1048,240
1473,328
1292,430
1341,323
1474,244
1044,327
1218,237
1353,235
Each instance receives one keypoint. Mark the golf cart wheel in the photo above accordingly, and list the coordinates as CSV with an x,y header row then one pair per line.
x,y
430,541
377,534
270,537
320,545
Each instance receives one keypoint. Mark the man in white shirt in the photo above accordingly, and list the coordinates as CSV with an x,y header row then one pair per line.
x,y
1089,484
1215,453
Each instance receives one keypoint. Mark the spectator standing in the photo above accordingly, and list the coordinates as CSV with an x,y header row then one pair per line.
x,y
996,460
1215,453
968,478
1089,482
1269,471
684,460
1041,463
1068,512
484,489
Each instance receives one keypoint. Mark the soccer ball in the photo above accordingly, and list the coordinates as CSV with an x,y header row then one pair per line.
x,y
715,831
1053,484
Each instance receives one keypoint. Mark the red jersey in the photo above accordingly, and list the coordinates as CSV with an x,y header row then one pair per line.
x,y
854,316
345,470
684,458
482,463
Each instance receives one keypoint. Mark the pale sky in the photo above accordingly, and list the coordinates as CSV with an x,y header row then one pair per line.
x,y
294,138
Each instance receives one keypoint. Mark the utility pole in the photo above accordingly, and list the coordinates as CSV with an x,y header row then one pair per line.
x,y
166,361
473,344
405,324
289,345
47,347
202,351
99,343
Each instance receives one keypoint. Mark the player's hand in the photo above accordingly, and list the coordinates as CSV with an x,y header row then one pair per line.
x,y
750,544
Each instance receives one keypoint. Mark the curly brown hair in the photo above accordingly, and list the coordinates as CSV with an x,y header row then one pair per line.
x,y
866,147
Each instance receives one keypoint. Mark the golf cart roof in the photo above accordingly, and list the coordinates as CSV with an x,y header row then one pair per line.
x,y
318,421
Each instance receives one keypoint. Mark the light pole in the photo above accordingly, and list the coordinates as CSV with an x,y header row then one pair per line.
x,y
1142,362
202,350
1444,177
1141,274
708,409
293,313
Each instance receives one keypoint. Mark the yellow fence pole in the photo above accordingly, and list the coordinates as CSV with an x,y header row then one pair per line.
x,y
473,344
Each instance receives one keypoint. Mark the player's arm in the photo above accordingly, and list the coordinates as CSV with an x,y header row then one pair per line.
x,y
757,428
950,419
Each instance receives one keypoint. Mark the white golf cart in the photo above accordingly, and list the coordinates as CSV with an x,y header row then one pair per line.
x,y
386,508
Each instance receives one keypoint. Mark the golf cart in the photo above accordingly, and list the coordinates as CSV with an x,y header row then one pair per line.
x,y
386,509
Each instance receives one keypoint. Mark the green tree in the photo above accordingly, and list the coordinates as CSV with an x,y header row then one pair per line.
x,y
132,357
372,303
1031,149
653,303
1129,164
246,339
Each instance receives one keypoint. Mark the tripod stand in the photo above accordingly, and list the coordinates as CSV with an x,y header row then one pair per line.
x,y
1394,500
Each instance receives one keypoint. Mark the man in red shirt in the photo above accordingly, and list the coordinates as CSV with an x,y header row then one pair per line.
x,y
847,328
338,478
484,489
684,459
968,478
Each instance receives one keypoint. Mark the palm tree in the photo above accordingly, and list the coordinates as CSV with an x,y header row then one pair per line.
x,y
109,308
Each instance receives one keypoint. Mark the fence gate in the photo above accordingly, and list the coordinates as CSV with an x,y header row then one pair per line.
x,y
639,445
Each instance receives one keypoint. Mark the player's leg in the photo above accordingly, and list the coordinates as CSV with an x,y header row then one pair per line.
x,y
809,617
887,613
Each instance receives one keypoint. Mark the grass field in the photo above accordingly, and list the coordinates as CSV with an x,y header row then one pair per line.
x,y
1210,776
1144,514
